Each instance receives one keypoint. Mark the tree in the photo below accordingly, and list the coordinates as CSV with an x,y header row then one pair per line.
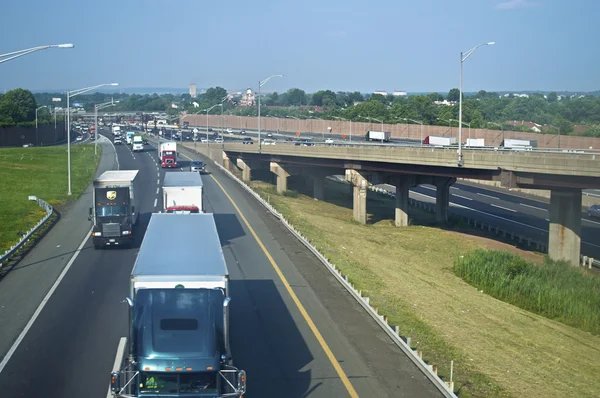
x,y
294,96
17,106
453,95
215,94
563,125
592,132
272,100
552,97
435,97
378,97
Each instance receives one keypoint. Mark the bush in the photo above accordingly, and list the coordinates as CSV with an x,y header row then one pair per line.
x,y
554,289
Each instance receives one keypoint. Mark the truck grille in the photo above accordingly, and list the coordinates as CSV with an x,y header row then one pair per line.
x,y
111,230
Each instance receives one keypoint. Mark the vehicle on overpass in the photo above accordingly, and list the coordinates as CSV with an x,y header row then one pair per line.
x,y
475,142
439,141
179,315
594,211
518,145
115,208
167,153
383,136
181,190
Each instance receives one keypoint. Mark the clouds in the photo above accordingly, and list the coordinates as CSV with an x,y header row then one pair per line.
x,y
515,4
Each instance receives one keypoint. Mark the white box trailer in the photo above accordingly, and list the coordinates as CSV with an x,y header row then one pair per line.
x,y
439,141
518,145
182,191
475,142
383,136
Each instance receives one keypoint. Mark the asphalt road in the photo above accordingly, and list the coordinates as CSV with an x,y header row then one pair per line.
x,y
70,349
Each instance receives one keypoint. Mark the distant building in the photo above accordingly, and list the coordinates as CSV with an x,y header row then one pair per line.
x,y
193,90
248,98
399,93
384,93
445,102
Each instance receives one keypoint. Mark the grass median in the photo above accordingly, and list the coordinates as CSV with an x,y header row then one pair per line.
x,y
41,172
499,350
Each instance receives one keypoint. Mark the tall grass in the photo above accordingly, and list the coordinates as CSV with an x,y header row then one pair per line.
x,y
554,289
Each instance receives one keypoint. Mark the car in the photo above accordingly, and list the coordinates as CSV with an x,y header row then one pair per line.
x,y
197,165
329,141
219,140
304,142
230,131
268,142
205,140
269,135
243,132
79,138
118,141
27,145
594,211
247,140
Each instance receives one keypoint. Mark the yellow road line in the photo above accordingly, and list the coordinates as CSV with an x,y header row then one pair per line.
x,y
301,308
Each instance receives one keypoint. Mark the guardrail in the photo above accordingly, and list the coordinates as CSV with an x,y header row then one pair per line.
x,y
49,211
430,371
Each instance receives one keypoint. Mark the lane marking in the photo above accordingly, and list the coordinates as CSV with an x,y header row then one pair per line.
x,y
591,194
532,207
157,190
155,201
158,174
593,222
460,196
455,188
117,364
39,309
503,208
158,182
342,375
488,196
431,189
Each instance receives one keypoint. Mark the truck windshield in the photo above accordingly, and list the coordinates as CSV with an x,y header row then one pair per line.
x,y
111,211
178,383
169,153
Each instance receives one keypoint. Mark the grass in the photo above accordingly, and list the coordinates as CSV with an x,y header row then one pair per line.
x,y
499,349
555,290
41,172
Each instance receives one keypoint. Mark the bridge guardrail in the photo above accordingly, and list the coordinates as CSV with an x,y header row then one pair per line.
x,y
49,211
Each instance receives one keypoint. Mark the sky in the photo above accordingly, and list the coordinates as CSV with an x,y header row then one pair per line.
x,y
342,45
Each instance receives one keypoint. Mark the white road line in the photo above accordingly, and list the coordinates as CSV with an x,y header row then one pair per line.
x,y
158,181
532,207
454,188
488,196
157,190
547,219
118,359
460,196
504,208
39,309
593,222
155,201
591,194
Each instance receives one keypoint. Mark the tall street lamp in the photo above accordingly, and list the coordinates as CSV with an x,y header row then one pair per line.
x,y
37,137
369,118
70,94
415,121
208,110
501,128
260,84
463,58
20,53
346,120
465,123
97,107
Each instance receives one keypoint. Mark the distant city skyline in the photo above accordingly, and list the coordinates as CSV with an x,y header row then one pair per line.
x,y
364,46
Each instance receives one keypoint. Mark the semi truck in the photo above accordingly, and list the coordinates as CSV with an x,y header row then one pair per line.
x,y
439,141
475,142
178,344
383,136
116,129
518,145
138,143
167,153
182,193
115,208
129,137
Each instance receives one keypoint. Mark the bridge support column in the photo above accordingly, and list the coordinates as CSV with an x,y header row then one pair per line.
x,y
319,187
359,202
246,170
442,198
226,161
564,240
282,176
403,185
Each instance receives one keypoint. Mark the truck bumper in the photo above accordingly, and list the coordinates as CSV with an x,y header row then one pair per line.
x,y
170,165
116,241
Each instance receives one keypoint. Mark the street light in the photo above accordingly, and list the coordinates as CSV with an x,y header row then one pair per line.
x,y
208,110
97,107
260,84
501,128
463,58
37,137
465,123
70,94
377,120
415,121
20,53
346,120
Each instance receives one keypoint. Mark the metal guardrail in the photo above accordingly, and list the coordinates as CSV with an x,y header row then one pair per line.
x,y
49,211
393,332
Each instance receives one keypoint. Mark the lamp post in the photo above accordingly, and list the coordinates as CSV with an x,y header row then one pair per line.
x,y
20,53
260,84
369,118
463,58
501,128
37,137
346,120
97,107
208,110
415,121
70,94
465,123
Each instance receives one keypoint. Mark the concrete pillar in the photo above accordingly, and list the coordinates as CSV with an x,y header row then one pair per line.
x,y
564,240
246,170
442,198
319,187
226,161
402,184
282,176
359,195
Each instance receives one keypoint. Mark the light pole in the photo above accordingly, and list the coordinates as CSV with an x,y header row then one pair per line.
x,y
37,137
222,121
501,128
415,121
346,120
208,110
463,58
70,94
465,123
97,107
369,118
20,53
260,84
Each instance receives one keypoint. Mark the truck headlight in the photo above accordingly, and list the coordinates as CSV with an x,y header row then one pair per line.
x,y
96,233
126,233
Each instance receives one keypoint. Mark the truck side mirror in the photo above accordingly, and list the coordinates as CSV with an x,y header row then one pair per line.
x,y
90,214
115,382
241,382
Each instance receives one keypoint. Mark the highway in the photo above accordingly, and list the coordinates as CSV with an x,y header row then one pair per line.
x,y
70,348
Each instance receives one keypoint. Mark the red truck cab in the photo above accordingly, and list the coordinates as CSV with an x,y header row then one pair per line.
x,y
169,159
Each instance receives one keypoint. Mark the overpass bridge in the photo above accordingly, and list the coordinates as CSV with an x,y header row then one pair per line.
x,y
564,174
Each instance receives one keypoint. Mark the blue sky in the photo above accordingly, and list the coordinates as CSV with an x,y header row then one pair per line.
x,y
317,44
